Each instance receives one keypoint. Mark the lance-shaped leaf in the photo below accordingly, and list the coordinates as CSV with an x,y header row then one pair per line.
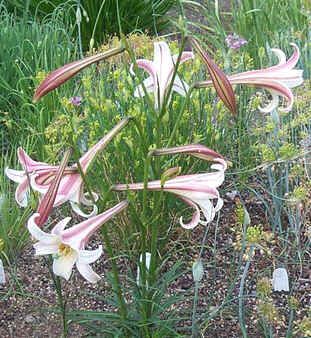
x,y
46,204
61,75
220,81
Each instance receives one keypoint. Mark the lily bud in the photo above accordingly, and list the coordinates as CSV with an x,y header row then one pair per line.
x,y
46,205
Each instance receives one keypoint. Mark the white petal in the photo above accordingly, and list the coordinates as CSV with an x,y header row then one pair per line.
x,y
272,105
180,86
77,210
88,273
2,273
280,280
15,175
148,259
163,60
21,193
60,226
62,265
90,256
38,234
45,249
148,83
88,202
207,209
219,205
280,55
195,217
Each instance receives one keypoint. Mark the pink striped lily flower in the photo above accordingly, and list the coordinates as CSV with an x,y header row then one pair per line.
x,y
68,245
278,79
196,190
39,175
161,71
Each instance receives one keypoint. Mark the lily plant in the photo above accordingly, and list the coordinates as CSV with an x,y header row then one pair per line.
x,y
197,190
278,79
39,176
67,246
161,71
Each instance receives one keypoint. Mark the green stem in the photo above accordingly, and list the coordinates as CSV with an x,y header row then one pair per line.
x,y
179,118
117,284
194,327
197,284
241,291
62,302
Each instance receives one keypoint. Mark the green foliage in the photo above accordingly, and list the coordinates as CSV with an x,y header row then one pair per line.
x,y
31,50
99,19
13,233
272,23
144,315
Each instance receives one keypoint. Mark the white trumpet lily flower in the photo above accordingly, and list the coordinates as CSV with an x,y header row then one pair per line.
x,y
68,245
161,71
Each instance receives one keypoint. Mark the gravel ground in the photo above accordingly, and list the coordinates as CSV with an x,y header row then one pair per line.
x,y
27,302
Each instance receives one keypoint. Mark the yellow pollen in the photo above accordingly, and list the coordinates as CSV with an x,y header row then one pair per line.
x,y
64,250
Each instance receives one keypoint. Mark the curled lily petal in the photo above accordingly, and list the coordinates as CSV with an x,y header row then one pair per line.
x,y
195,217
21,193
17,176
90,256
63,74
88,273
75,207
37,233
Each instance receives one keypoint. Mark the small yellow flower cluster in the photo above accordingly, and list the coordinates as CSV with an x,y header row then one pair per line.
x,y
61,133
265,307
40,76
2,244
268,311
263,288
303,326
300,196
255,237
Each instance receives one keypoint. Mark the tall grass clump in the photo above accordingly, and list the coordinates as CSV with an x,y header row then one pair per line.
x,y
31,49
98,20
